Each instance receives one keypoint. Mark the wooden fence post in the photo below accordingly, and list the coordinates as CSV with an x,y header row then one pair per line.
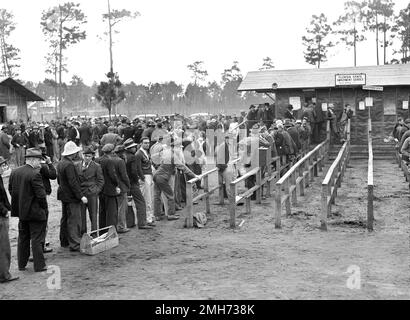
x,y
269,171
258,183
288,195
278,205
221,188
325,208
232,206
293,183
302,182
190,208
206,191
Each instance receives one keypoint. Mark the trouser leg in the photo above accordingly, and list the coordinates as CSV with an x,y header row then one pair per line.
x,y
63,226
74,224
102,219
139,204
23,244
92,206
37,234
122,211
83,218
163,185
157,200
5,252
111,211
228,174
147,193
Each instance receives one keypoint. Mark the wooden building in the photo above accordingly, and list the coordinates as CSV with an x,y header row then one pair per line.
x,y
13,100
381,92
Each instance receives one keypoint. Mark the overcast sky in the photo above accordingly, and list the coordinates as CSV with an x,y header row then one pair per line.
x,y
170,34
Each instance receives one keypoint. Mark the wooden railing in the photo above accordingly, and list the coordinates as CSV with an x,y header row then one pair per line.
x,y
299,175
234,199
333,180
190,200
370,185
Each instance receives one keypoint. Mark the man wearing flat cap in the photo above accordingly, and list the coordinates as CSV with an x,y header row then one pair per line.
x,y
134,173
92,182
111,137
70,194
29,204
124,184
111,189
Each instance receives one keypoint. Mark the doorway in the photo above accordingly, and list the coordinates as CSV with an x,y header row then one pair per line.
x,y
3,117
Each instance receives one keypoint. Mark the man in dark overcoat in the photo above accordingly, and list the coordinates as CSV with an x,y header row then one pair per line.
x,y
70,194
92,183
29,204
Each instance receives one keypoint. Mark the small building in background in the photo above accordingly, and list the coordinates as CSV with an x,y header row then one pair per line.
x,y
13,100
381,92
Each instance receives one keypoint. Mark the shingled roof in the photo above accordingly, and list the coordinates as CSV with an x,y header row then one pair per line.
x,y
385,75
20,89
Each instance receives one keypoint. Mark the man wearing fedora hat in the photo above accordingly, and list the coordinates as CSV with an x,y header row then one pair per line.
x,y
71,196
92,182
29,204
5,252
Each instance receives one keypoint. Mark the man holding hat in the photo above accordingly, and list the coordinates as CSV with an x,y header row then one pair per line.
x,y
70,194
92,182
29,204
5,251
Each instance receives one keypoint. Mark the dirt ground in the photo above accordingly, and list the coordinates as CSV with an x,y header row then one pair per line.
x,y
255,261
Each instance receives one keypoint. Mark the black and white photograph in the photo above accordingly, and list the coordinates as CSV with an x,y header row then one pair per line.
x,y
204,155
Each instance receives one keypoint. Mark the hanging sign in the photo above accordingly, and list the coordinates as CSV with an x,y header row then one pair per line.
x,y
361,105
372,88
324,106
295,102
369,102
405,105
350,79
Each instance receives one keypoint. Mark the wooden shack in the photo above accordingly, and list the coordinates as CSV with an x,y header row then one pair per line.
x,y
381,92
13,100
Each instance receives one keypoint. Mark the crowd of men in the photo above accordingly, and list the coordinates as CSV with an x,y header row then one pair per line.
x,y
103,166
401,133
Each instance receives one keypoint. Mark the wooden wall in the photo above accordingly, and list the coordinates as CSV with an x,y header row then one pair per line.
x,y
9,97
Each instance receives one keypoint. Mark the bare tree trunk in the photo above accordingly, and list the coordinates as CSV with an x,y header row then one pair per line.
x,y
60,71
55,86
384,41
3,56
354,42
111,58
319,56
377,39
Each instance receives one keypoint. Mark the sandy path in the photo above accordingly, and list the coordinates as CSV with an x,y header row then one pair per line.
x,y
254,262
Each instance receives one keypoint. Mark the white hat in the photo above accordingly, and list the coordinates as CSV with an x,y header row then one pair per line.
x,y
279,122
70,148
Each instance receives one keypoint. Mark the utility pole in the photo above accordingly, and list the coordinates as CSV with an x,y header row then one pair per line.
x,y
111,59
